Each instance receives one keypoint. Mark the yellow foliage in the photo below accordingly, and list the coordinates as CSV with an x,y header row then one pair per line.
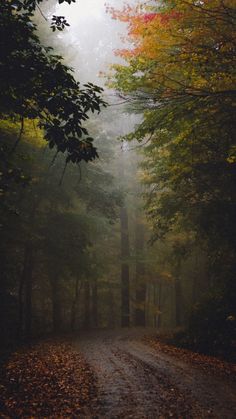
x,y
31,135
189,50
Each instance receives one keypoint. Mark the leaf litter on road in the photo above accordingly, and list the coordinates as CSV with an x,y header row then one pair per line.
x,y
209,364
49,379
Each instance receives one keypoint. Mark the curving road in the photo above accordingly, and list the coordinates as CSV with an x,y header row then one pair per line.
x,y
137,381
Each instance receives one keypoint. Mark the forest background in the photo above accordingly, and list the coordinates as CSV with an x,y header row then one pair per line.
x,y
77,249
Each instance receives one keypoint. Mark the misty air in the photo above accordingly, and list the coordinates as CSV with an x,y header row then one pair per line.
x,y
117,209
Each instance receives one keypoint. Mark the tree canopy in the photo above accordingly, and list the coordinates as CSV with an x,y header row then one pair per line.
x,y
35,84
179,72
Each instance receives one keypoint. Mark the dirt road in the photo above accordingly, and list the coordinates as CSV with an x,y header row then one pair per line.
x,y
136,381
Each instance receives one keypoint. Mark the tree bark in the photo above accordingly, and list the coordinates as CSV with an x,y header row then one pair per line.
x,y
125,281
159,296
178,302
86,305
75,304
112,311
56,303
28,280
95,303
21,295
140,318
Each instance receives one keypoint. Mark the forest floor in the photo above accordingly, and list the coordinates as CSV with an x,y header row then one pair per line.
x,y
47,379
115,374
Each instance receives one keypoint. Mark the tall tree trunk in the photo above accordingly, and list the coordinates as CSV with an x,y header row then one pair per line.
x,y
155,304
95,303
112,310
172,305
178,294
159,297
140,280
125,253
56,303
28,273
28,280
75,304
178,302
196,285
21,295
86,305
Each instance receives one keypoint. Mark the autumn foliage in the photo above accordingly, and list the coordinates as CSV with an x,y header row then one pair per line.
x,y
179,73
179,47
48,380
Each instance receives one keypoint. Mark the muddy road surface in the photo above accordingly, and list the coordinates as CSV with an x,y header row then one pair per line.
x,y
135,380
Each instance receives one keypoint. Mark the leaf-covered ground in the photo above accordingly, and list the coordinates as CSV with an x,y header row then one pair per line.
x,y
116,374
207,363
50,379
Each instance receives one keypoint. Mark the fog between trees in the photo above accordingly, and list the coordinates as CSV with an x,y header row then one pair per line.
x,y
79,243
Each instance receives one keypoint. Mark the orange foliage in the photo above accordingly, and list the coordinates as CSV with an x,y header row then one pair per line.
x,y
49,379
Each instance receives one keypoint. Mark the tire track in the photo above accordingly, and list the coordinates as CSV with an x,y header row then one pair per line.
x,y
135,381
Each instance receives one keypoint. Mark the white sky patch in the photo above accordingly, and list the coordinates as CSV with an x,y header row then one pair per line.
x,y
82,11
88,46
92,37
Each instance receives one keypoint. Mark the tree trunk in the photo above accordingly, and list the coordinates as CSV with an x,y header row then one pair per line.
x,y
140,280
95,303
21,295
112,311
178,302
75,304
125,253
86,305
56,303
159,296
28,280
